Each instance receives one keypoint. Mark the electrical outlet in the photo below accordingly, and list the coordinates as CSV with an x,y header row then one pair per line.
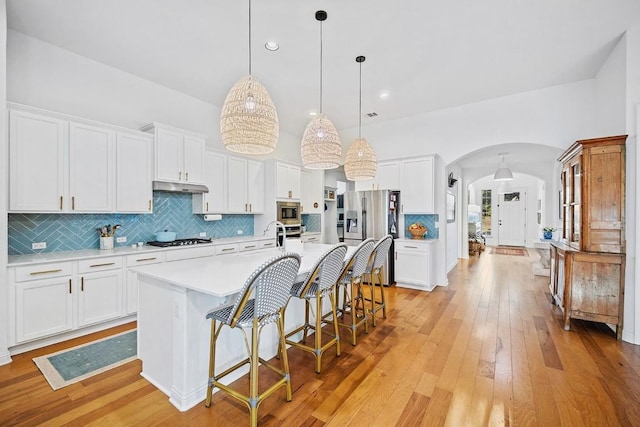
x,y
39,245
203,234
122,239
240,232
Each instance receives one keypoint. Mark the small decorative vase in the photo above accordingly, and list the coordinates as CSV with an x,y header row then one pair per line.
x,y
547,235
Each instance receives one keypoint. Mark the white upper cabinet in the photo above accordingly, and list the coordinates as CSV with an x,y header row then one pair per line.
x,y
387,177
91,168
255,189
194,149
418,186
215,178
179,154
37,162
245,180
134,172
287,181
60,163
312,191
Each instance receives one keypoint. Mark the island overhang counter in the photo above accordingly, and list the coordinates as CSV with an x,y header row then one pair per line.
x,y
173,332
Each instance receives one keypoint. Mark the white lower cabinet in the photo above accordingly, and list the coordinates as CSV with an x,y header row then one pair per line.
x,y
132,276
41,300
100,297
414,263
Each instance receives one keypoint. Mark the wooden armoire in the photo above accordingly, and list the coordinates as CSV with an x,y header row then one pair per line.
x,y
588,262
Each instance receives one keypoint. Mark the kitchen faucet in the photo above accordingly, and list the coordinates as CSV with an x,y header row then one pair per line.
x,y
284,234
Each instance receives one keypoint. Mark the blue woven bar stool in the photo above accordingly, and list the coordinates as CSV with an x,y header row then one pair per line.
x,y
374,271
351,283
320,283
260,302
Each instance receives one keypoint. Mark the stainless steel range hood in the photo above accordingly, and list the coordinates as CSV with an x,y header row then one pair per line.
x,y
179,187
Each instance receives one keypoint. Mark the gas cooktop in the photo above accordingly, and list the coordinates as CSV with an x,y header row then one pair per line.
x,y
180,242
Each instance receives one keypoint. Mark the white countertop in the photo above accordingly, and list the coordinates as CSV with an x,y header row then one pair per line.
x,y
406,239
225,275
45,257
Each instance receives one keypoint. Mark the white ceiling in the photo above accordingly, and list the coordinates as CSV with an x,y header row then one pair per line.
x,y
427,54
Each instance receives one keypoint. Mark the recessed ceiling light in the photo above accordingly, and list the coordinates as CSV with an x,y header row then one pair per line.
x,y
272,46
384,95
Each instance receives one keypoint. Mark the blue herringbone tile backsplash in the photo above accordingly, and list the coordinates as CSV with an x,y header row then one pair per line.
x,y
312,222
70,232
429,221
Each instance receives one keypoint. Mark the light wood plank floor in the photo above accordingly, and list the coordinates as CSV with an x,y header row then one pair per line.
x,y
486,350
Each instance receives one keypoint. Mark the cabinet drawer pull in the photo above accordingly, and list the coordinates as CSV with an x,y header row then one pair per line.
x,y
207,208
73,203
149,205
246,209
227,249
250,247
269,244
145,259
186,176
35,273
60,202
82,284
180,176
250,208
69,285
410,247
102,265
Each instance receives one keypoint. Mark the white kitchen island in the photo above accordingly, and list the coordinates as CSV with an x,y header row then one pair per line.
x,y
173,332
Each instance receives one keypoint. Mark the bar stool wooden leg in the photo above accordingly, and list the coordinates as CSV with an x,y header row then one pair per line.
x,y
253,375
285,359
212,362
318,334
382,297
335,319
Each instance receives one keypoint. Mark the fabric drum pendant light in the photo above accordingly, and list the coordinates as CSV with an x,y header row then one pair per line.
x,y
249,120
360,162
321,147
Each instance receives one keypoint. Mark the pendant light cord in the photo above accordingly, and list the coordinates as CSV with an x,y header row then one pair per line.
x,y
320,67
360,106
249,37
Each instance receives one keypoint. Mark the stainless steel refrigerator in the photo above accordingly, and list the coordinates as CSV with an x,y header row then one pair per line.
x,y
372,214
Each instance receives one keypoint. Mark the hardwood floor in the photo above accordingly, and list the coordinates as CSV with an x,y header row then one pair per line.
x,y
488,349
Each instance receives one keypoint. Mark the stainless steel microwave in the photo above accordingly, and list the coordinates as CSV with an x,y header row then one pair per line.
x,y
289,213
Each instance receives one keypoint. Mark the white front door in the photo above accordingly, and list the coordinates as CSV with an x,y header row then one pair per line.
x,y
511,219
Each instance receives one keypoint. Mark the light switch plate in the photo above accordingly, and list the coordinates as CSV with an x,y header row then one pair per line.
x,y
203,234
39,245
122,239
240,232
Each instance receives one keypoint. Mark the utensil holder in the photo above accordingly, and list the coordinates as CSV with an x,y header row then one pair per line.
x,y
106,243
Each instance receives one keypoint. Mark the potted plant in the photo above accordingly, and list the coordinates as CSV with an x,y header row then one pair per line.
x,y
547,232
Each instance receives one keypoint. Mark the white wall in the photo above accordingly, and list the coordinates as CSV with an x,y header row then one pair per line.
x,y
4,162
555,116
45,76
610,92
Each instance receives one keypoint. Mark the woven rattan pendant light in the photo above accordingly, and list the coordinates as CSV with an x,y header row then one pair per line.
x,y
320,147
249,121
360,161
